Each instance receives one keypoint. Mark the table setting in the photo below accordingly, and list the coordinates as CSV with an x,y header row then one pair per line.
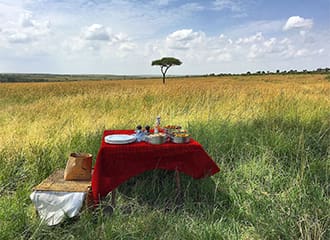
x,y
169,133
124,154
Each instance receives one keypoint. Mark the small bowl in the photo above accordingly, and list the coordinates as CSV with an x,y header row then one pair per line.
x,y
156,138
176,139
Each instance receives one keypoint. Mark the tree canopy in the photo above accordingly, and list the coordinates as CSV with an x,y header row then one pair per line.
x,y
165,63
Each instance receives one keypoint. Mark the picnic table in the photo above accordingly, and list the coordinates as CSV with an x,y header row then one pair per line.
x,y
116,163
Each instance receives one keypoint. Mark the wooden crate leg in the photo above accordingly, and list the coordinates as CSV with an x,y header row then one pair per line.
x,y
89,198
113,198
177,181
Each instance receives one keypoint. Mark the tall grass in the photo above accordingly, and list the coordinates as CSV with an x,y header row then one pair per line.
x,y
269,135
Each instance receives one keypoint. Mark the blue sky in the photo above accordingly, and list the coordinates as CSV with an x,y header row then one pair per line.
x,y
123,37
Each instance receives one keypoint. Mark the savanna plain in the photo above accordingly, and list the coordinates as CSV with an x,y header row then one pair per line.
x,y
268,134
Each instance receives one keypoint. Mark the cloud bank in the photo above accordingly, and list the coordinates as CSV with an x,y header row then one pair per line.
x,y
124,37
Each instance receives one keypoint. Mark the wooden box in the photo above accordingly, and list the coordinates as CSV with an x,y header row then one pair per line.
x,y
56,183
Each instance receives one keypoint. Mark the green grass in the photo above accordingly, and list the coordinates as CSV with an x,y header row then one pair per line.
x,y
270,138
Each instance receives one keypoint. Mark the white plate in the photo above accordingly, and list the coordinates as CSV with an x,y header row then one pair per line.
x,y
119,139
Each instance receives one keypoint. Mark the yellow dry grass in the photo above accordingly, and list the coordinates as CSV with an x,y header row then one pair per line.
x,y
52,112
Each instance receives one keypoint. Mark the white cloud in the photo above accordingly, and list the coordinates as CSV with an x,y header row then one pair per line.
x,y
220,56
285,41
19,37
254,52
270,43
9,11
26,20
120,37
97,32
98,40
223,39
183,35
161,2
184,39
302,53
252,39
296,22
20,26
26,29
267,48
191,7
308,52
127,46
233,5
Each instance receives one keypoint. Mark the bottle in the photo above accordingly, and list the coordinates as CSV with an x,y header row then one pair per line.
x,y
157,125
139,134
147,129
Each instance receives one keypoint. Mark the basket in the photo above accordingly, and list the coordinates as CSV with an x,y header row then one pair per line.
x,y
78,167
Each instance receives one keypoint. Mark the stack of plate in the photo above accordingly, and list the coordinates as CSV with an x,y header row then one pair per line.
x,y
119,139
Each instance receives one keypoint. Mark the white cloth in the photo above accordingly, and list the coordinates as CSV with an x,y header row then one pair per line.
x,y
54,206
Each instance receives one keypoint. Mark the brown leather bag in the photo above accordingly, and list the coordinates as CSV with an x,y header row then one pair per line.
x,y
78,167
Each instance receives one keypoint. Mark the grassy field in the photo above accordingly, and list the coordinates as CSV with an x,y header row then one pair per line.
x,y
269,134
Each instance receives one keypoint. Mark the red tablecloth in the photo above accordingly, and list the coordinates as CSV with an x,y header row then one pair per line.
x,y
115,164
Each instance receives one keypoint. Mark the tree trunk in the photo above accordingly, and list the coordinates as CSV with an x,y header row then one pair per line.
x,y
163,78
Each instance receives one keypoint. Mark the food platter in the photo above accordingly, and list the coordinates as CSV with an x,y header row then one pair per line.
x,y
169,129
119,139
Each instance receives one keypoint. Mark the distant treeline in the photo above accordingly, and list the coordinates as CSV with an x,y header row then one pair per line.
x,y
37,77
292,71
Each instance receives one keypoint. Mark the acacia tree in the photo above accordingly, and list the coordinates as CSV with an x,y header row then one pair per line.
x,y
165,63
